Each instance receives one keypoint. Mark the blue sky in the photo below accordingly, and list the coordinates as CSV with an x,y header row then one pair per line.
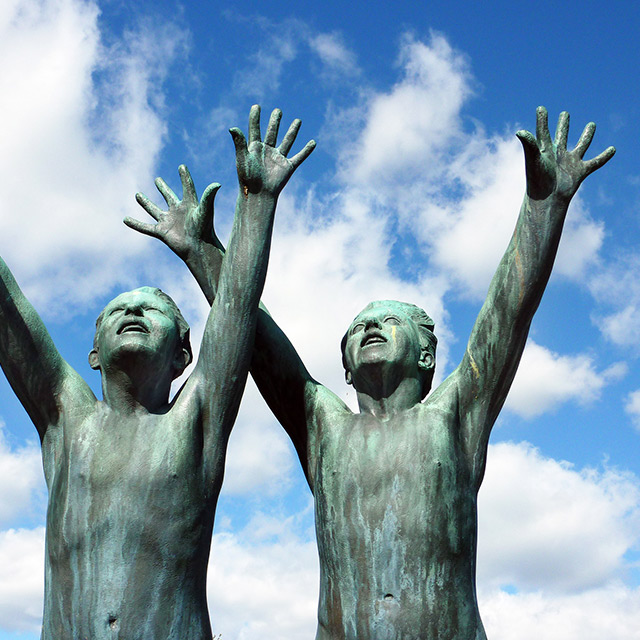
x,y
412,193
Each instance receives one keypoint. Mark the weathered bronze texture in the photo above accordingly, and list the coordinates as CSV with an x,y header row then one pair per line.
x,y
134,479
396,484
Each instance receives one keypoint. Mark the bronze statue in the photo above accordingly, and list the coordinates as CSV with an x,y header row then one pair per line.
x,y
134,479
396,485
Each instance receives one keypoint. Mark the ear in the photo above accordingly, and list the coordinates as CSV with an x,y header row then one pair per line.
x,y
427,361
181,361
94,362
347,376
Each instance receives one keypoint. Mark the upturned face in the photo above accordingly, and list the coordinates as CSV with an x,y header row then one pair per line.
x,y
137,322
379,335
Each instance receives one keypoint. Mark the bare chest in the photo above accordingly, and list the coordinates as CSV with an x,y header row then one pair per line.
x,y
404,477
411,452
118,475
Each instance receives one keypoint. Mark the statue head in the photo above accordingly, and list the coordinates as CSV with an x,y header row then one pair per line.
x,y
143,320
388,329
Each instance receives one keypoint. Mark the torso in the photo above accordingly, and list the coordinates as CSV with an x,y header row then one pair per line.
x,y
129,523
396,524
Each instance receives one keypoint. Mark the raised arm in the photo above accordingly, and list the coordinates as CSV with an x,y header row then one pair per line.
x,y
35,369
263,170
187,229
497,340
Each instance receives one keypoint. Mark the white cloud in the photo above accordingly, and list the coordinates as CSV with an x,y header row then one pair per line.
x,y
259,456
411,156
580,243
21,579
85,135
470,236
611,612
262,75
632,407
21,479
622,327
263,583
407,127
546,379
545,525
333,53
617,288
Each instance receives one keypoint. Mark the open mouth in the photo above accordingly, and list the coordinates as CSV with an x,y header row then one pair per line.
x,y
372,338
133,327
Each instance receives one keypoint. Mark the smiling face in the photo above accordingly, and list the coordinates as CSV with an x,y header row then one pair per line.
x,y
145,322
392,333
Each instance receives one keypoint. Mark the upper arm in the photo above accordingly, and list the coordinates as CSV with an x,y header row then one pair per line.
x,y
36,371
283,380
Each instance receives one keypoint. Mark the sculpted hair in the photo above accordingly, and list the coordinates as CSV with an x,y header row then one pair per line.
x,y
183,325
428,340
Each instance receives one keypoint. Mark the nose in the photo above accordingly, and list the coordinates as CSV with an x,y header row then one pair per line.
x,y
133,309
372,323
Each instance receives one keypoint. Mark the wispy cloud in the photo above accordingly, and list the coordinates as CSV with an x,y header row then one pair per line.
x,y
335,56
632,407
546,379
86,131
21,579
21,482
617,288
537,530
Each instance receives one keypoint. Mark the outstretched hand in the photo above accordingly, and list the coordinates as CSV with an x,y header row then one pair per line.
x,y
551,168
186,223
263,167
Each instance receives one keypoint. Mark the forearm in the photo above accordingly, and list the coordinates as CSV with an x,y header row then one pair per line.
x,y
244,265
205,262
500,333
523,273
229,332
282,378
205,256
501,329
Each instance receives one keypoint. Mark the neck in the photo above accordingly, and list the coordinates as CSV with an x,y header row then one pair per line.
x,y
385,401
124,392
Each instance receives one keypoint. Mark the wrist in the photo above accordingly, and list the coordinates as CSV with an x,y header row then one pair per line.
x,y
553,202
554,198
197,250
261,195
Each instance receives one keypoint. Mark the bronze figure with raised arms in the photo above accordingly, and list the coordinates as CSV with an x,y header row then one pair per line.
x,y
134,479
396,484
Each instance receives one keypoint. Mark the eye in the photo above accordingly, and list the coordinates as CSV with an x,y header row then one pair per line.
x,y
156,309
115,310
357,327
392,320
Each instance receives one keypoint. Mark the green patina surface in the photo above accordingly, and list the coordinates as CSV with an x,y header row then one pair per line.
x,y
133,479
396,484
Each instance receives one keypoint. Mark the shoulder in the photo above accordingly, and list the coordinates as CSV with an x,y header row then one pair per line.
x,y
445,397
325,404
75,399
327,415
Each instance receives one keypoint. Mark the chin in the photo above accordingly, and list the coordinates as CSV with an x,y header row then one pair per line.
x,y
372,360
134,350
